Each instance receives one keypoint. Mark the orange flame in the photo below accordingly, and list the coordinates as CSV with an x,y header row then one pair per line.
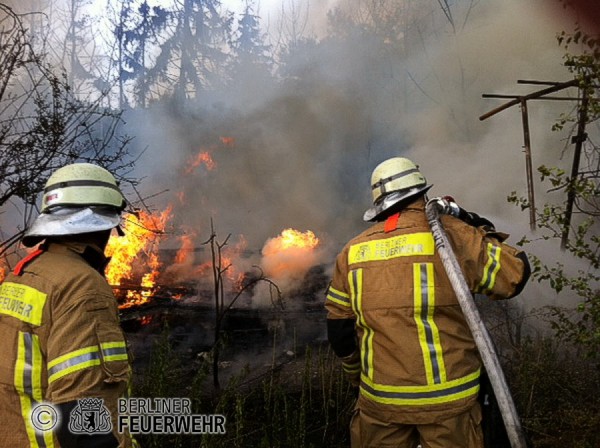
x,y
142,234
185,253
288,257
291,239
231,258
230,264
227,141
202,158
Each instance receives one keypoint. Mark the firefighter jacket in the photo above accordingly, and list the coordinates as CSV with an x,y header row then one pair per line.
x,y
60,341
396,323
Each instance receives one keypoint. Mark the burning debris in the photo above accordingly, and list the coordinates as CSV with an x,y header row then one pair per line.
x,y
136,250
142,274
146,267
288,257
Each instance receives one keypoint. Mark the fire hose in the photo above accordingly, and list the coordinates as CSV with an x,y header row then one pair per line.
x,y
481,336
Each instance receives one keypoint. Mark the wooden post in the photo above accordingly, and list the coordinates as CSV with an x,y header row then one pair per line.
x,y
543,95
528,164
571,193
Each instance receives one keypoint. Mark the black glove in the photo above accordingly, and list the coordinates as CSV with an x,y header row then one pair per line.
x,y
476,221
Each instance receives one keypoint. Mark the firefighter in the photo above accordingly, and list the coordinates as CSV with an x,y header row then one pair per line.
x,y
396,324
63,356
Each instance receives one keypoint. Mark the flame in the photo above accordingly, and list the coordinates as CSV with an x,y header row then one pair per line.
x,y
230,259
202,158
227,141
204,155
287,257
182,266
291,239
149,278
2,271
231,265
185,254
140,243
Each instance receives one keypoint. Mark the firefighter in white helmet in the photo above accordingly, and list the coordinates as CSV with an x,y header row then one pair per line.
x,y
395,321
63,357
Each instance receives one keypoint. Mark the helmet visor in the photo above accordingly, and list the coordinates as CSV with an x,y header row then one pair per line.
x,y
392,199
71,221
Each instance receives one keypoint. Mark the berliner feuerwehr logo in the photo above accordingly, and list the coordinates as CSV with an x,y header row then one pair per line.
x,y
90,416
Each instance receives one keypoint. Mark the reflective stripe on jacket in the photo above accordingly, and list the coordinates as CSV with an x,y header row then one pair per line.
x,y
418,360
60,341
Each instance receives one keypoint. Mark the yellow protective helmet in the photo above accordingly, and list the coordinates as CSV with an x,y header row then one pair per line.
x,y
82,185
395,174
394,180
78,198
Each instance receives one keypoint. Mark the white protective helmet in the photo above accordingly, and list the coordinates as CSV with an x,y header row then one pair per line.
x,y
393,181
78,198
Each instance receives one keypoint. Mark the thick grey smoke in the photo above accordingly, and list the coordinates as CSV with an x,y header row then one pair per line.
x,y
301,152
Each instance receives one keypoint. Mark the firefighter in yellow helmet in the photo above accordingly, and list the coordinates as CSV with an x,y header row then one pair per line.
x,y
63,356
395,321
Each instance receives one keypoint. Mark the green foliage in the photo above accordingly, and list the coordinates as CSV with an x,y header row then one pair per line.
x,y
584,64
580,325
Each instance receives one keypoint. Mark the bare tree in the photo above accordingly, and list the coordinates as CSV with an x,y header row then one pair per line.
x,y
44,126
222,306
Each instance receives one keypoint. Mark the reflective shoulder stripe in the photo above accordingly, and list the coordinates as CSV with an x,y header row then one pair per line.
x,y
86,357
408,245
22,302
339,297
488,279
445,392
28,383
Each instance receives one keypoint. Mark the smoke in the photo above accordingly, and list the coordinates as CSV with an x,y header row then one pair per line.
x,y
304,149
300,152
